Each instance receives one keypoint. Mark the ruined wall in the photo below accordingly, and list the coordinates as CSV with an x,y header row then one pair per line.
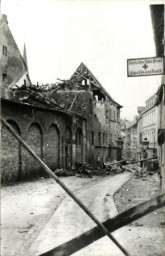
x,y
81,102
44,131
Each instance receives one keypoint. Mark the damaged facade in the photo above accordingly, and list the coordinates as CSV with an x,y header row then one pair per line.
x,y
73,121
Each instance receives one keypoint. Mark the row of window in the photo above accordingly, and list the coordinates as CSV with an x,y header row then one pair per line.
x,y
150,135
150,117
102,139
112,115
150,102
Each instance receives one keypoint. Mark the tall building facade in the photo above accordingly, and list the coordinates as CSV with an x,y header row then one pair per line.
x,y
150,124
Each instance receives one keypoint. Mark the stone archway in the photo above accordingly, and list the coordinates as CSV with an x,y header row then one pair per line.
x,y
35,141
52,151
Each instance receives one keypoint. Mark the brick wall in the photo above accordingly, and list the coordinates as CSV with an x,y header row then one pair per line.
x,y
10,155
45,131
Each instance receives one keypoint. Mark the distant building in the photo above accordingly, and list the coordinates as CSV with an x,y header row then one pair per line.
x,y
150,125
143,128
131,143
139,131
125,136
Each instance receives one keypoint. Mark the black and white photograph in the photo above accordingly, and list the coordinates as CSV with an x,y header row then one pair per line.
x,y
82,127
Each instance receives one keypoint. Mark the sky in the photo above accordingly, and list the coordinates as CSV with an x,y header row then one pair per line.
x,y
60,34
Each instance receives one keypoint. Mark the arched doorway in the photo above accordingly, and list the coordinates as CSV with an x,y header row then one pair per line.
x,y
11,164
52,149
35,141
67,148
79,145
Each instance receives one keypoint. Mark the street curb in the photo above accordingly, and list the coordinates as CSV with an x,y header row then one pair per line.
x,y
120,189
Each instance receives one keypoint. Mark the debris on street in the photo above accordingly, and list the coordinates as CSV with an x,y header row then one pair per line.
x,y
149,230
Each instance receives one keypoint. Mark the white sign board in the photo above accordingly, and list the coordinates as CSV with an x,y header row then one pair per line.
x,y
145,67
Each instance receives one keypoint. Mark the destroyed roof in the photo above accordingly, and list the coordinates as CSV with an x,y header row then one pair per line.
x,y
16,101
82,72
28,96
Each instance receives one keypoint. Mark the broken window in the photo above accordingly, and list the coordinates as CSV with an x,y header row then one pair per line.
x,y
4,50
97,94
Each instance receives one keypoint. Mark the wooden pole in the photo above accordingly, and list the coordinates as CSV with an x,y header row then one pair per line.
x,y
142,160
113,224
48,170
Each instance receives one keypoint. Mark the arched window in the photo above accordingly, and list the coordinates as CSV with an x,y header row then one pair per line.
x,y
79,137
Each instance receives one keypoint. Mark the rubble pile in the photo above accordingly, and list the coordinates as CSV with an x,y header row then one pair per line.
x,y
83,170
64,173
109,168
113,167
138,171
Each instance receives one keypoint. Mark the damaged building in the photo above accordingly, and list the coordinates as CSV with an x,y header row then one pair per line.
x,y
73,121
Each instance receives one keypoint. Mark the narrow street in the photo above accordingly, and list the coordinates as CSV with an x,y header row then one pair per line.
x,y
26,208
69,220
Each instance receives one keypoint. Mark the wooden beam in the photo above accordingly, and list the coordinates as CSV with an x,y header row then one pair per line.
x,y
113,224
75,97
135,162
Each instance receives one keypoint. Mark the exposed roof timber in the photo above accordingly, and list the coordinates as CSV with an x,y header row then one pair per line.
x,y
81,69
91,80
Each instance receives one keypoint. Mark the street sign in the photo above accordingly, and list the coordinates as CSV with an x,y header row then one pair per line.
x,y
145,67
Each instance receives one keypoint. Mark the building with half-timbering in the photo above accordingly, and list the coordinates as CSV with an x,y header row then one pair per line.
x,y
73,121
